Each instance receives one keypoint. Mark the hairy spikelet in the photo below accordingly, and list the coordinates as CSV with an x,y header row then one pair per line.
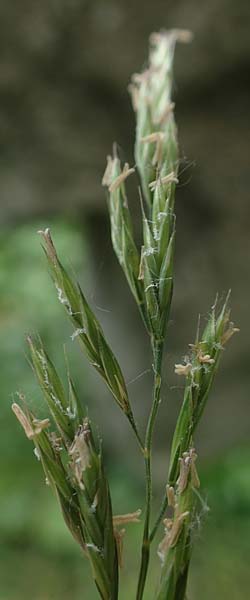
x,y
175,549
199,371
87,329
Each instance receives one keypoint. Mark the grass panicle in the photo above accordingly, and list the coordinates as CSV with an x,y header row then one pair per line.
x,y
64,442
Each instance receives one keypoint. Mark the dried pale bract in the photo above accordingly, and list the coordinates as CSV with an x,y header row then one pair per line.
x,y
127,518
119,533
109,180
205,359
157,183
79,451
50,248
164,544
157,138
228,333
40,424
107,175
195,481
181,35
31,426
171,495
177,527
173,528
183,369
187,469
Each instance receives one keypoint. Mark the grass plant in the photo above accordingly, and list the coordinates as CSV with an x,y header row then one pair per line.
x,y
65,441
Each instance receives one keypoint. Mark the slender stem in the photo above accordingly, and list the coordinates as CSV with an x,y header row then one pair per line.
x,y
163,509
145,553
136,432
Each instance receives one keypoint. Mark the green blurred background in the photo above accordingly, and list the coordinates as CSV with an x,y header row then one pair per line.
x,y
64,68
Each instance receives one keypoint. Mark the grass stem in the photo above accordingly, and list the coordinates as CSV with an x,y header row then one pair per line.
x,y
145,553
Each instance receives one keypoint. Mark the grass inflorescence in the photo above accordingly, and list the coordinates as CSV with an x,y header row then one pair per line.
x,y
65,441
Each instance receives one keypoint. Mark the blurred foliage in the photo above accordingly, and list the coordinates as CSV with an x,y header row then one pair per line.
x,y
38,558
27,303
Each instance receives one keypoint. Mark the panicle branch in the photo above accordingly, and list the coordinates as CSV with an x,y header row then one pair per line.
x,y
87,329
